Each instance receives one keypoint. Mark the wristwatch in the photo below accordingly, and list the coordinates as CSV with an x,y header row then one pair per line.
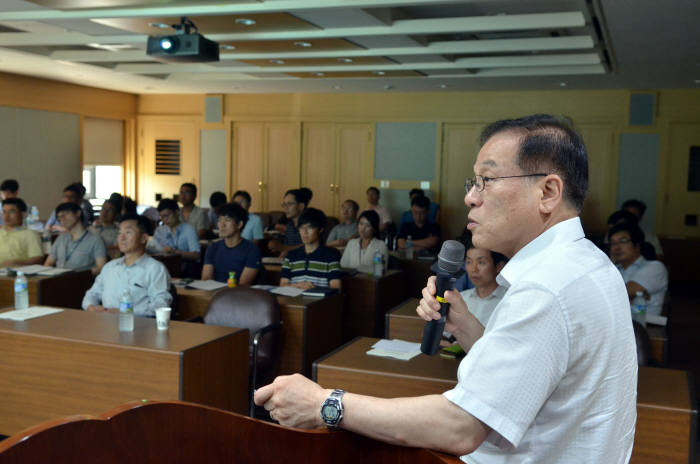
x,y
332,409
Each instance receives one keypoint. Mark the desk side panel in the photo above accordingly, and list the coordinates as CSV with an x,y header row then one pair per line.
x,y
662,436
43,378
292,338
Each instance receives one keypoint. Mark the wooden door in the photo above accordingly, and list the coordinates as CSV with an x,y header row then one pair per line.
x,y
459,150
181,134
319,165
679,202
282,162
355,171
602,177
248,160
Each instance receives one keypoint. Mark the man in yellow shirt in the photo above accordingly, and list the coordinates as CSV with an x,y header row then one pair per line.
x,y
18,246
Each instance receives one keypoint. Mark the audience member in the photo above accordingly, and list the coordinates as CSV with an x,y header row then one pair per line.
x,y
106,225
407,216
424,235
8,189
638,273
128,206
216,201
146,278
253,229
359,252
18,246
191,213
347,229
624,216
175,237
482,267
85,204
76,248
234,253
73,193
313,264
293,205
306,195
373,204
638,208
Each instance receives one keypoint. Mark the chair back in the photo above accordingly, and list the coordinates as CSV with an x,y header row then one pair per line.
x,y
330,223
251,309
641,336
275,216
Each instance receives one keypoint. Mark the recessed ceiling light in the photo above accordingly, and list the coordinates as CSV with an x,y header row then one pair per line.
x,y
277,61
227,47
562,84
379,73
388,87
303,44
245,21
159,25
443,86
337,87
345,60
319,74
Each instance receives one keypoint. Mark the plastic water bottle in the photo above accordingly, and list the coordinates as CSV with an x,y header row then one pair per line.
x,y
409,247
46,241
35,214
378,264
639,308
126,312
21,291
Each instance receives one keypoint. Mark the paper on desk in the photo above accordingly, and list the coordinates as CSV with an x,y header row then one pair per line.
x,y
264,287
287,291
32,269
29,313
53,271
272,260
656,320
395,348
206,284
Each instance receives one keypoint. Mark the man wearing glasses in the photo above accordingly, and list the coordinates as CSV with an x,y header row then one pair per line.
x,y
552,377
293,204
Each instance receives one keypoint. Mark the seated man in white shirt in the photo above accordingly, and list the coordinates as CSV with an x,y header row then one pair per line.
x,y
638,207
639,274
146,279
482,267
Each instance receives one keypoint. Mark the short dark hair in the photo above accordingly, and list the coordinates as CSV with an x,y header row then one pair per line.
x,y
416,191
314,217
373,218
9,185
636,234
622,216
116,199
235,212
376,190
244,194
548,144
298,195
68,206
353,204
421,202
76,188
217,199
129,205
191,186
307,194
495,256
142,222
634,203
18,202
168,203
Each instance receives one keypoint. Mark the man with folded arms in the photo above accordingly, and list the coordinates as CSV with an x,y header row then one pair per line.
x,y
146,278
552,378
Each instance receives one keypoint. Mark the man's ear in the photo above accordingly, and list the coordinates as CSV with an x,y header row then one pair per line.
x,y
552,193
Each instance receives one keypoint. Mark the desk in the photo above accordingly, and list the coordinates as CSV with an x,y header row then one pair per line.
x,y
272,274
311,326
416,271
403,323
77,362
63,290
659,343
666,410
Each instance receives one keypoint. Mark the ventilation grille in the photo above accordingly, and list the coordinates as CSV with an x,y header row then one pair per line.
x,y
168,157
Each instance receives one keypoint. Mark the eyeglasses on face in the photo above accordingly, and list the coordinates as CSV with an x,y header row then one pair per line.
x,y
288,204
621,241
479,182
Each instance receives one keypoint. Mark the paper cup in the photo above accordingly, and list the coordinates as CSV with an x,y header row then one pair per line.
x,y
162,318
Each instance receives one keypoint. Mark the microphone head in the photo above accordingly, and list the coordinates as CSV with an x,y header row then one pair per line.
x,y
451,257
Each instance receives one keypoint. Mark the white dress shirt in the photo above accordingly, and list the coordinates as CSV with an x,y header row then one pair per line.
x,y
356,258
555,373
651,275
147,279
482,308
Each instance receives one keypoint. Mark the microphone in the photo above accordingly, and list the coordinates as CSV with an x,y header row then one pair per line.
x,y
449,264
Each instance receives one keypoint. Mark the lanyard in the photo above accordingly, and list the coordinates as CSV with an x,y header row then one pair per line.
x,y
75,247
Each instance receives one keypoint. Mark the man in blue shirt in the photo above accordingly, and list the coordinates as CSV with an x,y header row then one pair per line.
x,y
253,229
175,237
233,253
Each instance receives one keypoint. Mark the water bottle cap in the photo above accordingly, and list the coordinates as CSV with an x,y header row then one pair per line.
x,y
20,274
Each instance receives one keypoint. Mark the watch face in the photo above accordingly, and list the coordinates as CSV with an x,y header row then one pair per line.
x,y
330,412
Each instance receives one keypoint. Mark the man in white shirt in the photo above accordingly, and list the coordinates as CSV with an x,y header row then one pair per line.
x,y
482,267
640,275
552,377
638,208
253,229
373,204
191,213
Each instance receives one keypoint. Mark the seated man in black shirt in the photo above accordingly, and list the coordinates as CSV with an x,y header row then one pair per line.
x,y
424,235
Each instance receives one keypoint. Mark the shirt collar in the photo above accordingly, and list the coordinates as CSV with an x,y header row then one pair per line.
x,y
531,254
121,261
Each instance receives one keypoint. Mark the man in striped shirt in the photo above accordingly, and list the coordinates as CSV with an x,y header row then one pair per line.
x,y
312,265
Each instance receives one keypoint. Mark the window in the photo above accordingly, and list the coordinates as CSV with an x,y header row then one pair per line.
x,y
100,182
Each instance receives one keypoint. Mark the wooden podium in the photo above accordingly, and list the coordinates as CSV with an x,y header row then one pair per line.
x,y
165,432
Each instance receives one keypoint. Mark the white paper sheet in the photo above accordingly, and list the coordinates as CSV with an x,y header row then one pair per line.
x,y
53,271
287,291
398,349
656,320
272,260
29,313
32,269
206,284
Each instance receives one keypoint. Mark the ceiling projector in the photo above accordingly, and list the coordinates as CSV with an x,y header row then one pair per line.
x,y
184,46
